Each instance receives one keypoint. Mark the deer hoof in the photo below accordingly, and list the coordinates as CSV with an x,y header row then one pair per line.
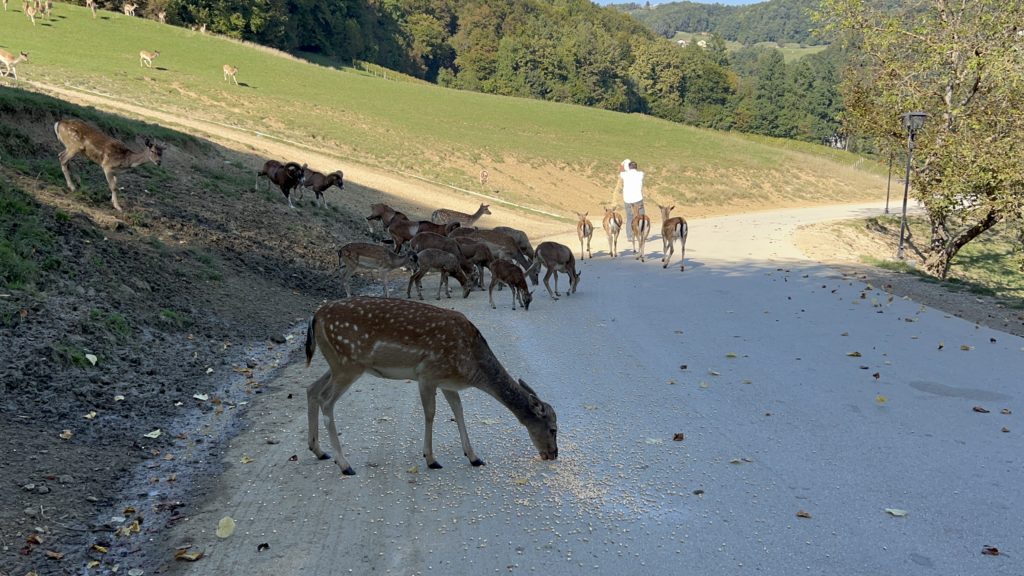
x,y
435,466
348,471
478,462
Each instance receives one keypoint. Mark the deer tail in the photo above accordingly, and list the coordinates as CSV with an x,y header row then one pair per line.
x,y
310,340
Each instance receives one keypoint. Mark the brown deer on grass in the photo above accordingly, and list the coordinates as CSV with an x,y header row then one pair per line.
x,y
230,72
30,11
402,339
557,258
585,231
356,255
612,227
10,61
129,8
146,58
383,214
673,228
446,216
91,5
110,153
641,227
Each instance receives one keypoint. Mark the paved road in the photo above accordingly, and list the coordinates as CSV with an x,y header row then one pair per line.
x,y
797,391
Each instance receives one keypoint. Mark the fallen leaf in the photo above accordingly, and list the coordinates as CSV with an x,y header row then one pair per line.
x,y
34,539
942,345
653,441
672,381
803,514
293,458
413,470
980,409
100,549
990,551
66,435
262,546
54,555
881,399
188,556
590,406
91,415
209,370
896,512
92,563
1005,429
854,354
713,373
118,397
679,437
1005,411
845,334
876,375
521,481
246,459
226,527
730,355
154,434
91,358
704,385
203,397
966,348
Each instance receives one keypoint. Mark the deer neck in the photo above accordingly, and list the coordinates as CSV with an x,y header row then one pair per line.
x,y
491,377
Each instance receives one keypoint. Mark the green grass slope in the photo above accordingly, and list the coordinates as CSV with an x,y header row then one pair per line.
x,y
544,155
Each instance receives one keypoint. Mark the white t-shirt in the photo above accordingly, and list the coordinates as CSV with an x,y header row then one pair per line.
x,y
632,185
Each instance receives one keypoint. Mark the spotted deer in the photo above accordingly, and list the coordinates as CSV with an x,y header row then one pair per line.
x,y
129,8
230,72
612,225
446,216
641,227
673,228
110,153
409,340
356,255
10,61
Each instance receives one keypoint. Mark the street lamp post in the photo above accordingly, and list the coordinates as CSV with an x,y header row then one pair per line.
x,y
912,122
888,183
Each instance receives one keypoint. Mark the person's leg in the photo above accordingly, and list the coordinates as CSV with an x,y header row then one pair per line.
x,y
628,224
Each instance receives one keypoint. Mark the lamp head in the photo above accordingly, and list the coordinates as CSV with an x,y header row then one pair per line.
x,y
913,121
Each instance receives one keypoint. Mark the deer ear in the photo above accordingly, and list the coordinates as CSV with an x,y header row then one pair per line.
x,y
527,388
148,142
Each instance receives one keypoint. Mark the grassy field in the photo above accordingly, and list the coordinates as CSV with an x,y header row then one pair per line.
x,y
790,51
538,153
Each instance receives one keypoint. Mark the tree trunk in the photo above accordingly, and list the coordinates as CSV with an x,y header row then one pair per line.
x,y
940,258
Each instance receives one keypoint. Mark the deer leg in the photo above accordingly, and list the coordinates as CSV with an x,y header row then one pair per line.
x,y
64,158
443,283
323,394
456,404
668,248
548,286
384,281
112,182
428,396
682,253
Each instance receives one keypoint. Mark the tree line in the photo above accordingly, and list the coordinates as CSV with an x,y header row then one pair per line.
x,y
781,21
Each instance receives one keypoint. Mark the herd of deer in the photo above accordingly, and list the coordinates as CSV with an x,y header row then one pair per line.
x,y
289,176
672,228
43,9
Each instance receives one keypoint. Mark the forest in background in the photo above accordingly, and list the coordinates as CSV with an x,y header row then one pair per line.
x,y
570,51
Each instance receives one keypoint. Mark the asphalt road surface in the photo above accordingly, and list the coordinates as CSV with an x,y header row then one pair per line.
x,y
808,404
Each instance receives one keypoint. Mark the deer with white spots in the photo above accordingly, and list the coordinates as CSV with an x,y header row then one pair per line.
x,y
446,216
408,340
356,255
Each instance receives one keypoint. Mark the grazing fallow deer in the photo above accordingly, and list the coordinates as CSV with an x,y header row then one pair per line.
x,y
110,153
557,258
508,272
671,229
404,339
447,264
30,10
230,72
10,61
521,239
129,8
161,16
91,5
641,226
446,216
585,230
403,230
502,246
476,253
356,255
612,227
146,57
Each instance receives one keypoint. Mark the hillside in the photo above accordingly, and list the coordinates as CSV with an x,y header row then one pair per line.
x,y
781,21
195,288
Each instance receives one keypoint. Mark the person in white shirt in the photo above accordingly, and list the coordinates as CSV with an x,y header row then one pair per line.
x,y
631,183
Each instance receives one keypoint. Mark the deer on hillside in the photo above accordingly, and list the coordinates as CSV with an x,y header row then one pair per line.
x,y
401,339
446,216
287,176
230,72
146,57
129,8
483,173
557,258
319,183
612,227
641,226
10,61
91,5
110,153
671,229
384,214
161,16
585,231
356,255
